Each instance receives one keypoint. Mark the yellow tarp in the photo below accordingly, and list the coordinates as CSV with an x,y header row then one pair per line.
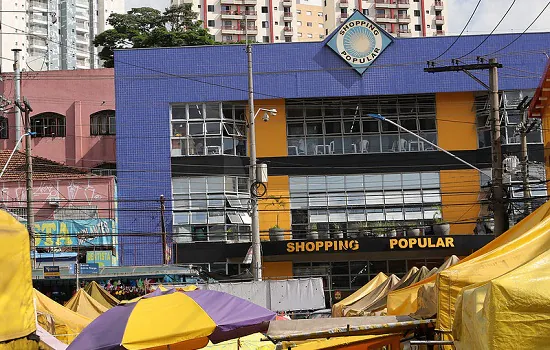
x,y
342,342
17,316
404,301
511,311
85,305
251,342
101,295
338,308
57,320
492,264
359,307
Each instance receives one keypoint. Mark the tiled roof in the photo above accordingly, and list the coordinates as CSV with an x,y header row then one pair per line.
x,y
43,168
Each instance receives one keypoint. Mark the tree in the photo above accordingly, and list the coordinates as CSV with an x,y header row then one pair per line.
x,y
146,27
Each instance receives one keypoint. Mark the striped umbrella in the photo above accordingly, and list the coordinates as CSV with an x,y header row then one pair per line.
x,y
174,320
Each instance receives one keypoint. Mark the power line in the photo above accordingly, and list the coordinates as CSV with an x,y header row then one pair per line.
x,y
492,31
459,35
519,36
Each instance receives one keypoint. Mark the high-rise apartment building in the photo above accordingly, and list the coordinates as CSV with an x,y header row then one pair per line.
x,y
401,18
266,20
312,20
53,34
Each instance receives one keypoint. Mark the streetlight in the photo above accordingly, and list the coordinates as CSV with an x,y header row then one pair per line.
x,y
15,149
379,117
256,244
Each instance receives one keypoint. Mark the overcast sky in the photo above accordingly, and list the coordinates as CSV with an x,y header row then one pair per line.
x,y
458,11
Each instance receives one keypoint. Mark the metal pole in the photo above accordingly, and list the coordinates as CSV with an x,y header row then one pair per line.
x,y
163,230
256,245
524,165
17,83
28,160
379,117
499,195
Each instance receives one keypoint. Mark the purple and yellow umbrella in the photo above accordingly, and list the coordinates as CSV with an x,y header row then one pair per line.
x,y
174,320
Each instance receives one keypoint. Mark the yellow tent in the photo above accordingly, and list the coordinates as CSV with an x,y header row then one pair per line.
x,y
358,308
404,301
338,308
17,316
101,295
251,342
85,305
490,265
57,320
512,310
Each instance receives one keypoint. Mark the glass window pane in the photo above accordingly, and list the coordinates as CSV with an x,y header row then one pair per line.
x,y
335,183
314,128
431,196
181,218
375,198
295,129
370,144
317,200
213,128
195,111
213,146
242,185
313,111
392,181
354,183
407,106
372,126
411,180
199,217
178,112
293,112
352,127
240,147
393,197
412,197
240,112
316,146
334,145
227,110
215,184
230,184
298,184
212,111
196,129
430,180
426,104
332,110
316,184
427,123
180,185
296,146
197,184
228,146
388,106
350,144
333,127
373,182
409,123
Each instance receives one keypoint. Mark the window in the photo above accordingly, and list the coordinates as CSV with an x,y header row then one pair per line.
x,y
288,39
265,24
417,13
209,129
366,12
309,24
347,202
265,9
103,123
417,28
211,208
4,128
320,25
48,124
211,23
299,35
265,39
309,35
299,23
319,14
210,8
299,12
308,13
342,126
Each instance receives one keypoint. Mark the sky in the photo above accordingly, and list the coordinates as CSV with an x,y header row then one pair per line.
x,y
485,19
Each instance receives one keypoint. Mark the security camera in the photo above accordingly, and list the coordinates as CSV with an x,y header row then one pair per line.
x,y
265,118
273,112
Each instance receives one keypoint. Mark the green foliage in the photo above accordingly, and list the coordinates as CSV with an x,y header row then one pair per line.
x,y
146,27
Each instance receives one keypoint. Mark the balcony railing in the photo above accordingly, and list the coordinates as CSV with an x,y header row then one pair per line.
x,y
404,17
438,4
439,32
287,14
344,15
288,30
239,13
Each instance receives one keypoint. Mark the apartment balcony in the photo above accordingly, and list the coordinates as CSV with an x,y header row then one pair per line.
x,y
438,5
239,2
404,33
39,19
439,20
289,31
239,14
81,53
287,3
38,46
40,6
251,30
404,19
82,3
403,4
385,18
392,4
39,30
82,40
344,3
439,32
287,16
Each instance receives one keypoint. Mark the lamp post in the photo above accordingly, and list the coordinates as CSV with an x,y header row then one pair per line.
x,y
256,244
379,117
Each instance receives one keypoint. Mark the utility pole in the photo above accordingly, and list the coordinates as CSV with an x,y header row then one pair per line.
x,y
256,244
524,130
17,83
26,108
163,230
499,192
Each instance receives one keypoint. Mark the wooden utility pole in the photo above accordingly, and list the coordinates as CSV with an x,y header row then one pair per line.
x,y
163,230
524,129
499,199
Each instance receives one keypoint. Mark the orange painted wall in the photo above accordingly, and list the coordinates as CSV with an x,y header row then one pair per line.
x,y
456,119
271,211
271,135
277,270
459,199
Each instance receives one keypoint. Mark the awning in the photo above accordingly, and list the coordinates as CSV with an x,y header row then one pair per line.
x,y
334,327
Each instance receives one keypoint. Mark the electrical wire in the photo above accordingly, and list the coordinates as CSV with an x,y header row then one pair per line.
x,y
492,31
519,36
461,32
